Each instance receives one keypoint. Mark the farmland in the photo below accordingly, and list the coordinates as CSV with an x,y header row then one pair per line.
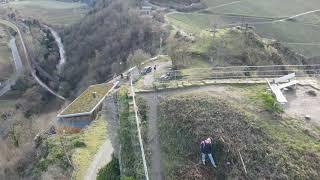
x,y
302,29
50,11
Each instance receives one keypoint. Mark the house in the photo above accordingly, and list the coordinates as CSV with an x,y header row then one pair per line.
x,y
85,108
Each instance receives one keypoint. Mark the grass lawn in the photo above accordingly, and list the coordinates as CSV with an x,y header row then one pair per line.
x,y
86,102
50,11
299,31
93,137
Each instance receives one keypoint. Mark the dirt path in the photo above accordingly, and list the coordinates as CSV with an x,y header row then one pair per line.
x,y
153,134
301,104
103,156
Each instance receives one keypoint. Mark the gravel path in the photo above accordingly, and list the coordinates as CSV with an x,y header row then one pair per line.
x,y
103,156
153,134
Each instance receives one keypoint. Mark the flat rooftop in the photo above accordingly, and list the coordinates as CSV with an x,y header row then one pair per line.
x,y
86,102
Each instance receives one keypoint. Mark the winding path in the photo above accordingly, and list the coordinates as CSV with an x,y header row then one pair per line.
x,y
57,38
279,20
42,84
18,67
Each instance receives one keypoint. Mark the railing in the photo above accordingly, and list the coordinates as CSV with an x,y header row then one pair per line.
x,y
240,72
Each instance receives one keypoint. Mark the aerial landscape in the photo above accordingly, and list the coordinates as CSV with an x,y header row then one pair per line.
x,y
159,89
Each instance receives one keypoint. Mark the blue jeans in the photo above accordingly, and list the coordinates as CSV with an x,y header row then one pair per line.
x,y
203,157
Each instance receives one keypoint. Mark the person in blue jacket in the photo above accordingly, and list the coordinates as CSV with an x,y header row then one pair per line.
x,y
206,149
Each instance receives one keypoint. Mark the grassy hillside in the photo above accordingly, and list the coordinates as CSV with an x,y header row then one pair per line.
x,y
271,147
222,14
236,47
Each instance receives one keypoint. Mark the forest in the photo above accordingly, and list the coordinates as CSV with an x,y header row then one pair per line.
x,y
98,46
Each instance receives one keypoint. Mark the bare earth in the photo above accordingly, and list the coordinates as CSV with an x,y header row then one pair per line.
x,y
302,104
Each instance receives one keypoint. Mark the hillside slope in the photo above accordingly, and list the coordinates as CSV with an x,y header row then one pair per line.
x,y
275,149
99,45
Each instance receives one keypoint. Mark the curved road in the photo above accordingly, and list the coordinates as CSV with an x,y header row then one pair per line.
x,y
17,64
42,84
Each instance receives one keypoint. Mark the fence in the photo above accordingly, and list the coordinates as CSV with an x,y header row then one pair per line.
x,y
238,72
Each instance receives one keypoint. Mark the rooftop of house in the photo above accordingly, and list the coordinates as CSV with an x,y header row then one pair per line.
x,y
88,100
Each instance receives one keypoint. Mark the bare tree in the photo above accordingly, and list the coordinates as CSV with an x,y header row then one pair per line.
x,y
178,51
137,57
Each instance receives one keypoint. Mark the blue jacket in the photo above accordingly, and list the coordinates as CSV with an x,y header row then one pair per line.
x,y
205,148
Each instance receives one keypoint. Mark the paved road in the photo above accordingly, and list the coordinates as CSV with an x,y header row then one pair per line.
x,y
42,84
18,67
279,20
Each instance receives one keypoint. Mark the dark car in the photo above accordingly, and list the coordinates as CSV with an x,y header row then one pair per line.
x,y
146,70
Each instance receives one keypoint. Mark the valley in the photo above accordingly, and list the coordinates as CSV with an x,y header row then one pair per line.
x,y
115,89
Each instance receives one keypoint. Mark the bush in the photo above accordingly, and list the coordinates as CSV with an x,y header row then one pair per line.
x,y
111,171
79,144
270,102
142,109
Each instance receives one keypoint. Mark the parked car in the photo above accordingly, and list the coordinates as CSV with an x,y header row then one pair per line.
x,y
173,75
146,70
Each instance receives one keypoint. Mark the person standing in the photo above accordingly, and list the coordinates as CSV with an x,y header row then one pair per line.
x,y
206,149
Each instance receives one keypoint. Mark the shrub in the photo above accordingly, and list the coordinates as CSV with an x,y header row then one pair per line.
x,y
270,102
142,109
111,171
79,144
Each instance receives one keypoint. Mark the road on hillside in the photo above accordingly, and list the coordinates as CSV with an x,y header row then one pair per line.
x,y
42,84
18,67
279,20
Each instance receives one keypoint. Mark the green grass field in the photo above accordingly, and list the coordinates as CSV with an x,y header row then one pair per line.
x,y
51,11
304,29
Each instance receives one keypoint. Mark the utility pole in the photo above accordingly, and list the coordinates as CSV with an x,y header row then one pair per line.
x,y
214,29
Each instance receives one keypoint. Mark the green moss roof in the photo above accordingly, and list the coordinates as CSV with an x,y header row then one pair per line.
x,y
86,102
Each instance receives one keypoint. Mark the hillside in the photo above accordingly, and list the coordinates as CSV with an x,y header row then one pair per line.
x,y
98,46
272,147
198,69
300,33
230,47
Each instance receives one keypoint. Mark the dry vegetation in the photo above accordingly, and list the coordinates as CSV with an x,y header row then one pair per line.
x,y
270,148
